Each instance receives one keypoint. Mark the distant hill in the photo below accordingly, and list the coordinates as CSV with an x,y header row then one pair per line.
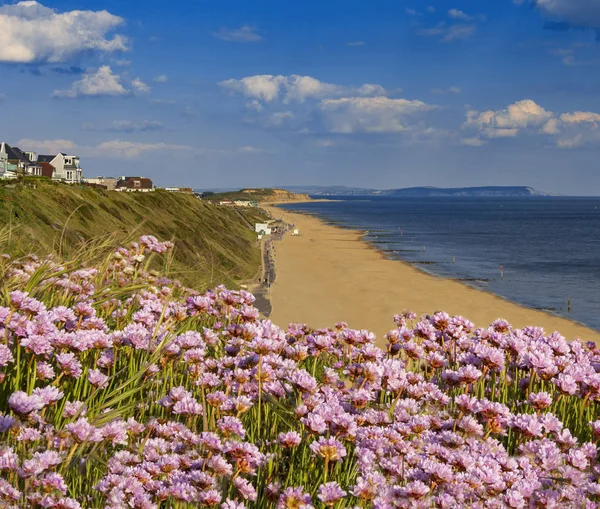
x,y
417,192
489,191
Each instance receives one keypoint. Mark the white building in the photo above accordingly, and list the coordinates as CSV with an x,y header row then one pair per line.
x,y
66,168
262,228
5,172
13,162
109,182
245,203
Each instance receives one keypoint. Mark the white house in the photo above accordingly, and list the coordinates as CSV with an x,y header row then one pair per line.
x,y
13,162
66,168
5,172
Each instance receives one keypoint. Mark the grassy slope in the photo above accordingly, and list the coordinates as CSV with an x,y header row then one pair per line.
x,y
213,244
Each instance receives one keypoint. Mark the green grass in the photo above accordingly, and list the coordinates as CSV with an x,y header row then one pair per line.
x,y
213,245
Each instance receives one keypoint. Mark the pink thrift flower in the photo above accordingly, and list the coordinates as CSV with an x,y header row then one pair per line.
x,y
97,378
289,440
83,431
22,404
330,493
329,449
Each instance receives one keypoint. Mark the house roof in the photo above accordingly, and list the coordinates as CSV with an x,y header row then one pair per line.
x,y
45,159
145,183
16,153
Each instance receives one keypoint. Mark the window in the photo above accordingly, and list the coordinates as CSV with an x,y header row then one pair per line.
x,y
137,183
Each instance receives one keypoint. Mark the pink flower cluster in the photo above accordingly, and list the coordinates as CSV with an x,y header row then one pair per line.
x,y
122,389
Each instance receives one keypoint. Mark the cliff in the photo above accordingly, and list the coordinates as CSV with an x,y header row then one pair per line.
x,y
213,245
263,195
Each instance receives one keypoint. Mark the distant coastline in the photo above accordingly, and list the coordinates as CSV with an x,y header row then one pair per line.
x,y
416,192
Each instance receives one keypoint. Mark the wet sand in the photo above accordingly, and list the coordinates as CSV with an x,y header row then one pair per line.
x,y
329,274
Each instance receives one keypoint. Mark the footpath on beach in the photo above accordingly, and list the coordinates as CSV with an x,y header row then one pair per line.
x,y
329,274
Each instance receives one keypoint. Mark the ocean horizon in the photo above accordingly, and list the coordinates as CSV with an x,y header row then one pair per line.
x,y
542,252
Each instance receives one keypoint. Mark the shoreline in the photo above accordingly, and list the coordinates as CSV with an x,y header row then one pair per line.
x,y
331,274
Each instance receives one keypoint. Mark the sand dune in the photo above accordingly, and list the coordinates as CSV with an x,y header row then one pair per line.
x,y
329,274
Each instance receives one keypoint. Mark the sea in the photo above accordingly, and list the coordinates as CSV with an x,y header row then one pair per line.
x,y
541,252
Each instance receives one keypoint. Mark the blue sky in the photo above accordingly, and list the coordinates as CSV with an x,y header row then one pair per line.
x,y
235,93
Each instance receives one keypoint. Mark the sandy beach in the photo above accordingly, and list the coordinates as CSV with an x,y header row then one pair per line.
x,y
328,274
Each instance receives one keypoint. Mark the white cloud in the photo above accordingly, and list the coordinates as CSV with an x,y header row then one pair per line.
x,y
126,149
130,150
341,109
473,142
458,14
161,79
300,88
370,90
324,143
579,117
243,34
268,88
575,142
412,12
248,150
140,87
128,126
492,132
570,59
459,33
356,44
30,32
449,33
279,118
46,146
101,82
580,13
551,127
430,8
167,102
254,105
265,87
567,130
371,115
446,91
508,122
122,62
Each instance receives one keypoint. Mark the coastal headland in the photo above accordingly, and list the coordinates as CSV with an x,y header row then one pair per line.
x,y
329,274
